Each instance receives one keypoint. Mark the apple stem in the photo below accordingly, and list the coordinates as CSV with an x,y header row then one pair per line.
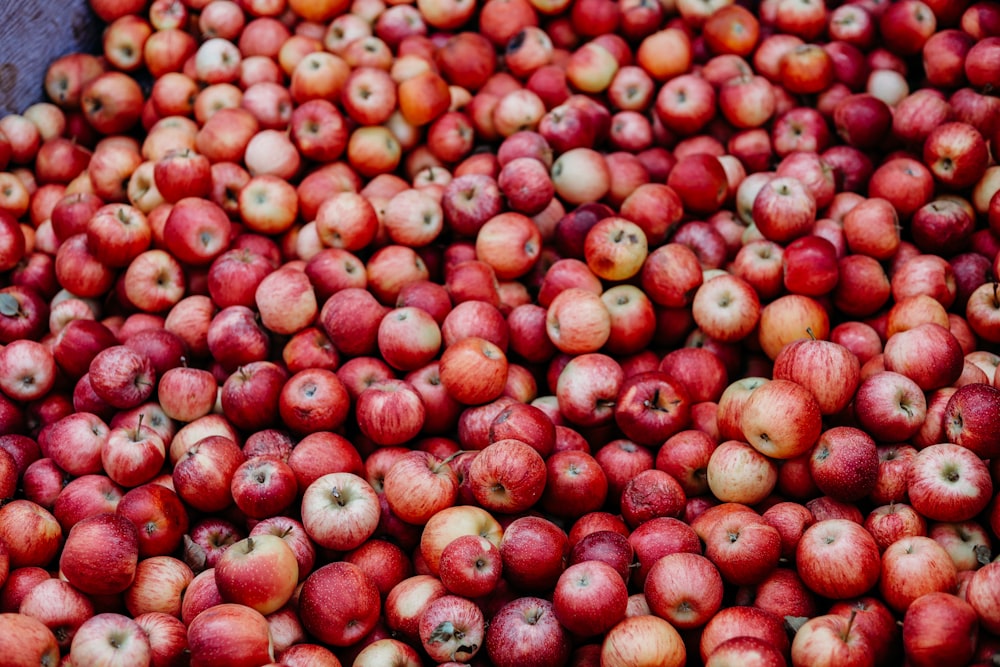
x,y
810,332
850,624
335,492
448,459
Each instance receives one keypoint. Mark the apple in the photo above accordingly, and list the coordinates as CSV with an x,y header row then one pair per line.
x,y
361,604
587,387
62,608
685,589
266,561
597,582
948,482
122,377
451,627
114,570
795,433
835,577
955,640
644,639
132,456
533,551
313,400
470,566
167,637
844,463
892,522
576,484
85,496
27,641
202,475
229,634
110,639
418,485
964,419
899,583
830,639
980,594
250,396
526,628
889,406
507,476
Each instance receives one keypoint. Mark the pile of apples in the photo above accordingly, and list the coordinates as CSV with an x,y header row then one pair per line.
x,y
515,333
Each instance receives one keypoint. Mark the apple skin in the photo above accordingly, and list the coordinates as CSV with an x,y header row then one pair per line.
x,y
806,361
260,572
890,407
830,639
799,427
526,628
534,552
743,621
229,634
60,606
913,567
939,628
644,639
508,476
844,463
27,641
357,602
948,482
981,593
100,554
32,535
968,419
838,559
684,588
907,352
589,598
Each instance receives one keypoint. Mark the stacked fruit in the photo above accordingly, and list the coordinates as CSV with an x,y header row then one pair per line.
x,y
524,332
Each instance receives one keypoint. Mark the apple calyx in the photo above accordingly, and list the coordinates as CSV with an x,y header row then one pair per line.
x,y
950,473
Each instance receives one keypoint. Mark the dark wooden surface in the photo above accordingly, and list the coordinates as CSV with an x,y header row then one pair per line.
x,y
33,33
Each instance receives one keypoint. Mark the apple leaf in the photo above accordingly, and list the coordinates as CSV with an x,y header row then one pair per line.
x,y
9,305
793,623
983,555
194,555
